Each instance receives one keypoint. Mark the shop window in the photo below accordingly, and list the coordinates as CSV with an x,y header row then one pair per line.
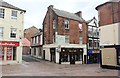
x,y
1,53
9,53
1,32
66,23
13,33
14,14
78,57
64,57
2,13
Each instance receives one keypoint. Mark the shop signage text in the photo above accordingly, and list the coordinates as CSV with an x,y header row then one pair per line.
x,y
9,43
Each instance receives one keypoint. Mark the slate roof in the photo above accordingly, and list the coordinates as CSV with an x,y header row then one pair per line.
x,y
7,5
67,14
113,0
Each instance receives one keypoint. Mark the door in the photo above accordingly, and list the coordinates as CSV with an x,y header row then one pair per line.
x,y
72,58
44,54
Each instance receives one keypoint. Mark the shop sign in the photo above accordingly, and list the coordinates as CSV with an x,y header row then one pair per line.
x,y
9,43
95,51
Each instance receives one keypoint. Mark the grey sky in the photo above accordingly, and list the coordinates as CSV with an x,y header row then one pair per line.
x,y
36,9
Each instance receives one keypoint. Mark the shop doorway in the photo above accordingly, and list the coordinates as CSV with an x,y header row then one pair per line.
x,y
93,58
52,53
72,58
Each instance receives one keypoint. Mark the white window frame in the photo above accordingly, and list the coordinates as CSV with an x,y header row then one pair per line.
x,y
66,24
80,40
1,32
13,31
66,39
2,12
13,14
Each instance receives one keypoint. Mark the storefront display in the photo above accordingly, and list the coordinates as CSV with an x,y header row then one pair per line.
x,y
71,55
9,53
1,53
93,56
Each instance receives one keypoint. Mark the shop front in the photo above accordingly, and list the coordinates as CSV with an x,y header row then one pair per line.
x,y
93,56
71,56
8,51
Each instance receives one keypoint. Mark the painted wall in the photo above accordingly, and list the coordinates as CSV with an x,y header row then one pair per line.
x,y
110,34
7,23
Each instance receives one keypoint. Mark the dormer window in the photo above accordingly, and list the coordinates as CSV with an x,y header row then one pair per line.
x,y
66,22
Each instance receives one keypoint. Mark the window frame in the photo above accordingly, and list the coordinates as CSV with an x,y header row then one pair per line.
x,y
2,13
66,24
14,14
12,34
1,32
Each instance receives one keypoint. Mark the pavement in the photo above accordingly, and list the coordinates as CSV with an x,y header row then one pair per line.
x,y
36,67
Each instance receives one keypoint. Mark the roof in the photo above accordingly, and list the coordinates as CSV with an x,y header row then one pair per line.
x,y
113,0
36,34
26,42
7,5
110,1
67,14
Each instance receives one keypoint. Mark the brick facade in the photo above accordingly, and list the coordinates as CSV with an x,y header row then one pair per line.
x,y
73,31
109,13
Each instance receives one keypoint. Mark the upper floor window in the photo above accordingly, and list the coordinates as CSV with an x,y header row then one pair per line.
x,y
66,39
80,40
53,24
1,32
80,27
66,22
14,14
13,33
2,11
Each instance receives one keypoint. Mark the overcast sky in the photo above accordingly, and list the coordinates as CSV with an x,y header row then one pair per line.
x,y
36,9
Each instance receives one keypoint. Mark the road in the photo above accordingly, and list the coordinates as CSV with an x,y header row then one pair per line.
x,y
37,67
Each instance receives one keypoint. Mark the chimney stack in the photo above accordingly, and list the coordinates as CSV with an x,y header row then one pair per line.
x,y
79,13
51,6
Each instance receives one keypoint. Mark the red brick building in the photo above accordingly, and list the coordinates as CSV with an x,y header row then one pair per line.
x,y
64,37
109,22
28,33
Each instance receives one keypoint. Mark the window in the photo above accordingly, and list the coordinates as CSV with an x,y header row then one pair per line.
x,y
14,15
80,27
81,40
13,32
66,22
53,24
1,32
2,11
90,44
66,39
90,31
